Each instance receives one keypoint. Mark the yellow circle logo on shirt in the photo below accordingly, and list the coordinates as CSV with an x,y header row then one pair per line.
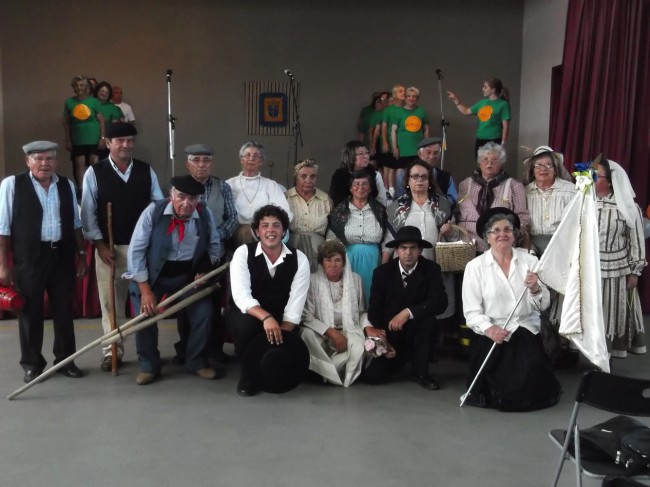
x,y
412,124
485,113
81,112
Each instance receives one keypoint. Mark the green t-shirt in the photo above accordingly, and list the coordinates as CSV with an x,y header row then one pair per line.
x,y
84,126
490,114
112,113
364,119
410,130
388,116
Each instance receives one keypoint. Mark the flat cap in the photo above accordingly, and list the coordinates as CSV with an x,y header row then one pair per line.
x,y
199,149
40,146
119,129
187,185
429,141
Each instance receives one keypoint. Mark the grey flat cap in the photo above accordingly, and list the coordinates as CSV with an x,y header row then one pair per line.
x,y
429,141
40,146
199,149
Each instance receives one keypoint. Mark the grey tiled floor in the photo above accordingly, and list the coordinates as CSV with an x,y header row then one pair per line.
x,y
184,431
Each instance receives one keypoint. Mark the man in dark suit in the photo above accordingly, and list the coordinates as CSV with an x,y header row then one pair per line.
x,y
406,295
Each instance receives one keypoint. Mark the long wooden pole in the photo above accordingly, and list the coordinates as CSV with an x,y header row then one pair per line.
x,y
120,331
111,292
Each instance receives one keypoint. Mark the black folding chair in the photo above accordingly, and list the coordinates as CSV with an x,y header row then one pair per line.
x,y
613,393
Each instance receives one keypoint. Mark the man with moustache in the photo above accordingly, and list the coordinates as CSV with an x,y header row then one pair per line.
x,y
129,185
174,242
40,224
218,197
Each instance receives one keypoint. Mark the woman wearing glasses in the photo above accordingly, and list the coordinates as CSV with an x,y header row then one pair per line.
x,y
519,375
549,191
355,157
251,190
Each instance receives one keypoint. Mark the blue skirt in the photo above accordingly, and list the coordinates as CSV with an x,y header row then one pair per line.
x,y
364,259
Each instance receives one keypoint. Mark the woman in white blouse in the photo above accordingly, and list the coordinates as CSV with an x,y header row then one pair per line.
x,y
518,375
251,191
332,320
549,191
310,207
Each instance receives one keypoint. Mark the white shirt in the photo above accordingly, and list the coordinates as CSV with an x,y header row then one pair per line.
x,y
127,111
489,295
251,193
51,224
240,282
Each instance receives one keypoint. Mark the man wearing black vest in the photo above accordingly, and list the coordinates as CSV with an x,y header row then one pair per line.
x,y
430,151
218,197
406,295
129,185
269,283
174,242
40,223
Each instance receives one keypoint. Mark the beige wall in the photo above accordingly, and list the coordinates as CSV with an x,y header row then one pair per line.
x,y
339,51
542,46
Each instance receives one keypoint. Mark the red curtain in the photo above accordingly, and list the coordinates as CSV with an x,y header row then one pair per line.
x,y
603,101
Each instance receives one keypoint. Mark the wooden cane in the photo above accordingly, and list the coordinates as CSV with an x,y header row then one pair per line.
x,y
121,329
111,292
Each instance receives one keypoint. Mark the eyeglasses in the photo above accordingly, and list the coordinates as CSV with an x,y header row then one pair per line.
x,y
498,231
364,184
363,154
254,157
200,160
539,165
419,177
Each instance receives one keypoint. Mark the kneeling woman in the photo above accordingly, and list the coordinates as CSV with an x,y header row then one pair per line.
x,y
331,319
518,375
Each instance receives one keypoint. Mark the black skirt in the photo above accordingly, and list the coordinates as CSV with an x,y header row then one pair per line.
x,y
517,377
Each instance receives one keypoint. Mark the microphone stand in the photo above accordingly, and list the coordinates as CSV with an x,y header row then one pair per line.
x,y
297,132
443,123
171,120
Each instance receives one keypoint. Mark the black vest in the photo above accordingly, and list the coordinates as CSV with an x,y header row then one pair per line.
x,y
27,220
443,179
271,292
129,199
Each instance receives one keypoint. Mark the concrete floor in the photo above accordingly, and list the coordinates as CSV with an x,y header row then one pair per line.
x,y
184,431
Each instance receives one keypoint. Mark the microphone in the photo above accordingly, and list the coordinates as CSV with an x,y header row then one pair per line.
x,y
288,73
169,74
438,72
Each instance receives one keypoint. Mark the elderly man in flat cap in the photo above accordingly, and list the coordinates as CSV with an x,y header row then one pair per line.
x,y
129,185
430,151
39,222
175,242
218,197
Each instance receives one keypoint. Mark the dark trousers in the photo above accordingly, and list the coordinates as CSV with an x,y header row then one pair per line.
x,y
412,344
216,335
49,272
198,315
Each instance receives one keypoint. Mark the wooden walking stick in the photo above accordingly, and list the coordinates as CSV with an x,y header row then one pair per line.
x,y
124,329
111,292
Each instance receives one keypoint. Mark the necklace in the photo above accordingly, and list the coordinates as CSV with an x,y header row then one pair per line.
x,y
339,294
250,200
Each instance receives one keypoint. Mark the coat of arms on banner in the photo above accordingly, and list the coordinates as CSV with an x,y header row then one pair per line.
x,y
273,109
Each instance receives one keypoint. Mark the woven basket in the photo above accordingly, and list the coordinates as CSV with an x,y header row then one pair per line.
x,y
454,256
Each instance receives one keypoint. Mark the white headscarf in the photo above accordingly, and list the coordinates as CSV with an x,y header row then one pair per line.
x,y
623,193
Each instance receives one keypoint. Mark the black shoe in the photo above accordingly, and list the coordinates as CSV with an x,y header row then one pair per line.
x,y
71,370
427,381
245,388
107,363
178,360
30,375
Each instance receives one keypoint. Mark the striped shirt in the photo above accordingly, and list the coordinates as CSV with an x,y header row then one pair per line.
x,y
547,206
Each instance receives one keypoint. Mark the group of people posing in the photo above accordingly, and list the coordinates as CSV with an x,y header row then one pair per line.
x,y
343,283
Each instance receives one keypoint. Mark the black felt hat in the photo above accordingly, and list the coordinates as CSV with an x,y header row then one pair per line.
x,y
276,368
409,234
119,129
187,185
483,219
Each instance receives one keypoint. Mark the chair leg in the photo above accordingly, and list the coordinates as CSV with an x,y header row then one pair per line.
x,y
576,442
567,442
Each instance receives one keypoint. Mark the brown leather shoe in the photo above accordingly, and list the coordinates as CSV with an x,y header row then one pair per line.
x,y
206,373
144,378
